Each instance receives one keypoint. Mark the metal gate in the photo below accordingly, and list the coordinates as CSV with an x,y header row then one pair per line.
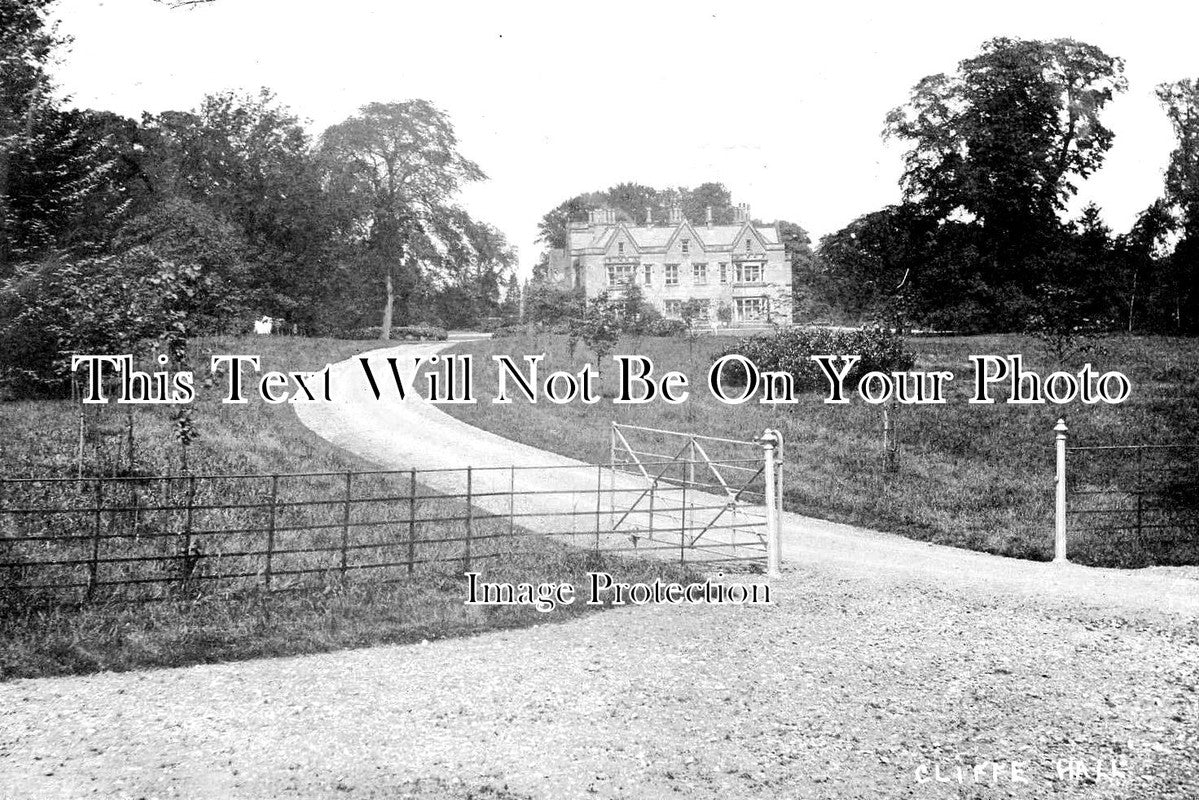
x,y
717,498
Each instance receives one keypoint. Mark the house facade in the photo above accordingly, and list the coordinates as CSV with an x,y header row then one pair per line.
x,y
739,269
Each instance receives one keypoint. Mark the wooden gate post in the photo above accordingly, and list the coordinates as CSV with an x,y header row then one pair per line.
x,y
1059,538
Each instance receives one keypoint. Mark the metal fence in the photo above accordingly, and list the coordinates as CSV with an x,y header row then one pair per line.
x,y
1138,502
155,537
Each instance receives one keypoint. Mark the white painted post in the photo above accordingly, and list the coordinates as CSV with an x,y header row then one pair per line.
x,y
612,476
770,440
1059,539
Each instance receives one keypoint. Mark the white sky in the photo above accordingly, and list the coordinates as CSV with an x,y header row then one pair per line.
x,y
782,103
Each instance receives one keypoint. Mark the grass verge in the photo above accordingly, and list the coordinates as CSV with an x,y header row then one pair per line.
x,y
51,633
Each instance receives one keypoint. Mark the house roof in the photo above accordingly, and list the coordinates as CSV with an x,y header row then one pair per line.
x,y
659,237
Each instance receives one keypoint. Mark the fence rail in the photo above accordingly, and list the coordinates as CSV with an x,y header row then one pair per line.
x,y
154,537
1140,500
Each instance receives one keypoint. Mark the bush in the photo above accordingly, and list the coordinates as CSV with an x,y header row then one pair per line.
x,y
511,331
398,333
666,327
401,332
789,350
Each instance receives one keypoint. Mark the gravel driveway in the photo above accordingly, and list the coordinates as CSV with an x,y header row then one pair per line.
x,y
885,668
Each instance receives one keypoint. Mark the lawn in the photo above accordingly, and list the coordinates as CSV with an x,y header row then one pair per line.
x,y
48,633
973,476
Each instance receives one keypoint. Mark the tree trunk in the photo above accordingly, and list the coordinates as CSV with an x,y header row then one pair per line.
x,y
385,332
1132,301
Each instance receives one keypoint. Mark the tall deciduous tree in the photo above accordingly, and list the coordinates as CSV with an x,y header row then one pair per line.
x,y
1181,101
400,163
26,45
1005,139
248,160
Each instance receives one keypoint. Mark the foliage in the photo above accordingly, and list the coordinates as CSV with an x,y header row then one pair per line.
x,y
666,327
599,327
1005,137
398,333
397,166
552,304
790,350
631,200
995,151
1060,323
112,305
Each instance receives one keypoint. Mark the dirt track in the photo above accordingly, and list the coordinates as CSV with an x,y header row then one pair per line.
x,y
883,663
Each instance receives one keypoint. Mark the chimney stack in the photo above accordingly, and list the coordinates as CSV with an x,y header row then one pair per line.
x,y
709,216
676,214
649,217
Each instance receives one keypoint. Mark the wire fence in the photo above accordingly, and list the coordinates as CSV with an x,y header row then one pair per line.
x,y
1140,502
157,537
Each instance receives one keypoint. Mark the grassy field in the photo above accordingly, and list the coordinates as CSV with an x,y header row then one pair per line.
x,y
973,476
50,633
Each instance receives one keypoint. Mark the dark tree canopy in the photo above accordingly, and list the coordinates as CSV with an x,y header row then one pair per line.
x,y
1005,139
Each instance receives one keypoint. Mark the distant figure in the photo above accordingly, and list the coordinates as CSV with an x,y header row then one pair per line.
x,y
263,326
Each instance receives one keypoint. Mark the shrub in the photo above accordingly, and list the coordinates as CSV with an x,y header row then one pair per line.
x,y
666,327
510,331
432,332
398,333
789,350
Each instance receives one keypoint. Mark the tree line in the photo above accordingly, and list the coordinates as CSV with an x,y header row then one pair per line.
x,y
115,231
995,151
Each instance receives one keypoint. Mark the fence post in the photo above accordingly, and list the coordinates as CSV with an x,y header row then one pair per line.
x,y
1140,497
653,486
779,458
270,532
189,559
345,525
599,503
411,521
770,440
93,566
683,524
612,476
691,462
470,518
1059,538
512,503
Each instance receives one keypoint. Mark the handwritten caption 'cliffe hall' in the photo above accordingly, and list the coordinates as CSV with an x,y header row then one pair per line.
x,y
449,379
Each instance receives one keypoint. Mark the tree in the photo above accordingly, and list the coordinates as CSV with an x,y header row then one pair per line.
x,y
1181,101
511,305
1004,140
694,314
804,267
400,163
599,328
1141,253
248,159
630,200
27,44
867,263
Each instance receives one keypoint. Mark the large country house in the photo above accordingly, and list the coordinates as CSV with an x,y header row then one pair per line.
x,y
739,272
